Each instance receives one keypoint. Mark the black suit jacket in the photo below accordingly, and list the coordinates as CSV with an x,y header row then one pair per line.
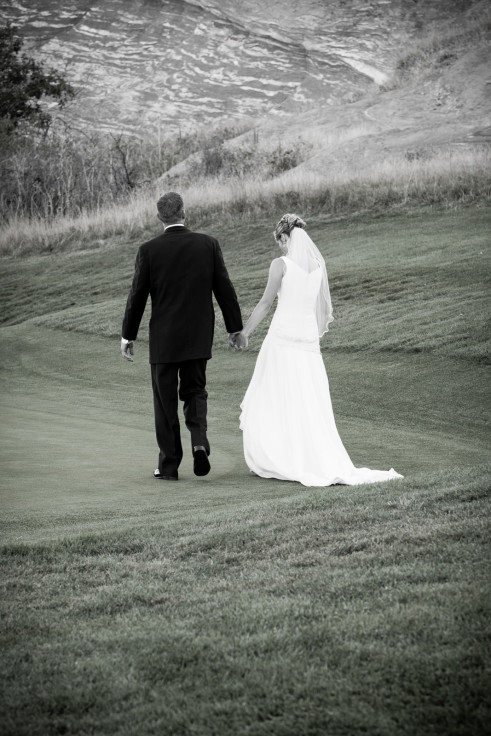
x,y
180,270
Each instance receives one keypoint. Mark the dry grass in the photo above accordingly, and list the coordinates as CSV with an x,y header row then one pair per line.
x,y
441,43
321,139
445,180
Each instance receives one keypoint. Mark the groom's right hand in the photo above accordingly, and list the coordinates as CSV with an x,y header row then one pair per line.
x,y
127,349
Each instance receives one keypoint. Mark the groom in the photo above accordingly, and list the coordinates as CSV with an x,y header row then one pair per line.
x,y
180,270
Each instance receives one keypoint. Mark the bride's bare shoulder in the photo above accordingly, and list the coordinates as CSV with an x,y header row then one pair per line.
x,y
277,265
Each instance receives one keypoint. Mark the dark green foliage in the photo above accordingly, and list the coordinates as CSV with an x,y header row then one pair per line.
x,y
24,83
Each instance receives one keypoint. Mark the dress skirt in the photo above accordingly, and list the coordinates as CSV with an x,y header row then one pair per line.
x,y
288,423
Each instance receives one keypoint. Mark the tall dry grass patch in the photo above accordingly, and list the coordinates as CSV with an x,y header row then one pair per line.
x,y
441,43
446,180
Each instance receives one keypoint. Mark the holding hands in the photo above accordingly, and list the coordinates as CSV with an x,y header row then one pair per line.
x,y
238,340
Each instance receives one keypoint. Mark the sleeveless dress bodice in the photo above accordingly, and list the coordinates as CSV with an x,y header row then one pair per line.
x,y
295,318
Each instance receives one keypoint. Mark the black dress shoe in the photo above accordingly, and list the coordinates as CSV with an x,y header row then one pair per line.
x,y
162,476
201,463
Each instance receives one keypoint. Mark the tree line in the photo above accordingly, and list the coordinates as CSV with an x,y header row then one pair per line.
x,y
48,169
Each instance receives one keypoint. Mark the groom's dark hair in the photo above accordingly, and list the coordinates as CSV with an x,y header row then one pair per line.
x,y
170,207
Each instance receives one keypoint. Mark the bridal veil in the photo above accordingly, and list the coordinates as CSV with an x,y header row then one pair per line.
x,y
303,251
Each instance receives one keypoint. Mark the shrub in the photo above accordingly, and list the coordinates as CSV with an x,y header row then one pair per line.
x,y
284,159
438,47
64,173
25,84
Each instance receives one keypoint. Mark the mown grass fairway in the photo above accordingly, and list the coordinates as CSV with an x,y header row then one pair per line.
x,y
231,604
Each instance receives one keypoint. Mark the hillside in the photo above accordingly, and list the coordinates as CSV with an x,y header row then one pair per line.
x,y
405,123
154,68
433,104
360,611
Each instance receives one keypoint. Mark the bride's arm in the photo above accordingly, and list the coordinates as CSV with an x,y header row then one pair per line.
x,y
276,271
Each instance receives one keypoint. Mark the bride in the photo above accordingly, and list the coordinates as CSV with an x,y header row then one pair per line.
x,y
287,419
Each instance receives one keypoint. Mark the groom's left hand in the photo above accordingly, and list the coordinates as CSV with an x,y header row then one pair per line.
x,y
238,340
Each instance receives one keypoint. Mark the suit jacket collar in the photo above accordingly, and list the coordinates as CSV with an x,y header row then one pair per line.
x,y
176,229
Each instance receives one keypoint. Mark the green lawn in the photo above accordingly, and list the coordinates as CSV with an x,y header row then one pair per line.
x,y
231,604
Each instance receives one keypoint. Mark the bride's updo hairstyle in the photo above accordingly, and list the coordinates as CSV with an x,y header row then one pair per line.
x,y
286,225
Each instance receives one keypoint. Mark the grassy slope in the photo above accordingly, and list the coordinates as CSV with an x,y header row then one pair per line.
x,y
419,282
231,604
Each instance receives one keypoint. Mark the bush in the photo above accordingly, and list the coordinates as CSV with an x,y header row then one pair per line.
x,y
62,173
439,47
217,160
25,84
284,159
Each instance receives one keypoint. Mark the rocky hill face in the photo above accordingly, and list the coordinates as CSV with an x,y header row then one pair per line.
x,y
152,67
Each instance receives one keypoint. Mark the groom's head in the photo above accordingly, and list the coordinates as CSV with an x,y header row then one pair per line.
x,y
171,208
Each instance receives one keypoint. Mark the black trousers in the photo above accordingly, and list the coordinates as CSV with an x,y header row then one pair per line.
x,y
171,382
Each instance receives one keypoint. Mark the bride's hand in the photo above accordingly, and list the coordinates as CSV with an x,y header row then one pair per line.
x,y
238,341
241,341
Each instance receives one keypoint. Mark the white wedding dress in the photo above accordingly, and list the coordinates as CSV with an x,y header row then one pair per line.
x,y
287,419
